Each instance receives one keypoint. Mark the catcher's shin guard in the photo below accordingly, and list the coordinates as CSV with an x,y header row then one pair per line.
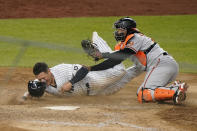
x,y
163,94
144,95
159,95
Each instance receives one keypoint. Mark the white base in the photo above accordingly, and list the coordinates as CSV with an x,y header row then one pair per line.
x,y
62,107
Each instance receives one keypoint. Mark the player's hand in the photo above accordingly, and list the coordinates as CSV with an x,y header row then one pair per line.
x,y
21,100
25,96
66,87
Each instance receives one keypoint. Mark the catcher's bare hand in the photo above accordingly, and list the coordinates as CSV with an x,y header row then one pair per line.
x,y
91,49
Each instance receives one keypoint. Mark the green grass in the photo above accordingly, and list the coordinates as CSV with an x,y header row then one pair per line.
x,y
176,34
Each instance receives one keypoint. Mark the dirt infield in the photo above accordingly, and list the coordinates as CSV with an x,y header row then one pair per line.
x,y
120,111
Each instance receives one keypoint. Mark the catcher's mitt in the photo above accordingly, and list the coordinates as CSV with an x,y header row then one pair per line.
x,y
91,49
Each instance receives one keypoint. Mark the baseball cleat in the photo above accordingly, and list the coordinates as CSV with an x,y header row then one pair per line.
x,y
180,94
177,83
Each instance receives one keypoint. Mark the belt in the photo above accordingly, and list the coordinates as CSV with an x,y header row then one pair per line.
x,y
88,89
165,53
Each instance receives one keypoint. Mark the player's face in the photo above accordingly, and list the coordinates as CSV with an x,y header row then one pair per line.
x,y
44,77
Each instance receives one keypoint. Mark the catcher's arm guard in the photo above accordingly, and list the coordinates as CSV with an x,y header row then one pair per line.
x,y
91,49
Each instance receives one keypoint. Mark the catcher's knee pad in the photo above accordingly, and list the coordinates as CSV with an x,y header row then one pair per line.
x,y
144,96
163,94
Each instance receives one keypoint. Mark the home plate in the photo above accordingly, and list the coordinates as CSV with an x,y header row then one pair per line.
x,y
62,107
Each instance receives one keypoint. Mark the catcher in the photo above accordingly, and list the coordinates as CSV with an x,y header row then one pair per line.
x,y
52,80
147,55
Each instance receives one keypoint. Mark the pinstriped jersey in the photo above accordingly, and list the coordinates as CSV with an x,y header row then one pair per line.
x,y
100,80
62,73
97,81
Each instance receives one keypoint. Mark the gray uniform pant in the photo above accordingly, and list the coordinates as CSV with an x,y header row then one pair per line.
x,y
161,72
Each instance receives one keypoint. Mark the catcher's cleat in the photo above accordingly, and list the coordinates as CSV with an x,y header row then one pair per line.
x,y
180,94
177,83
91,49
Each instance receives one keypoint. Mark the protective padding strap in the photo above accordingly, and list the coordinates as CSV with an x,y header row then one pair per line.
x,y
146,95
163,94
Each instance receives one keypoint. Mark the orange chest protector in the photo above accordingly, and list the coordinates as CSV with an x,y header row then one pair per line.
x,y
141,56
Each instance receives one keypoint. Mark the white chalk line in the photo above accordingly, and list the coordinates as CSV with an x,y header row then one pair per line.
x,y
100,124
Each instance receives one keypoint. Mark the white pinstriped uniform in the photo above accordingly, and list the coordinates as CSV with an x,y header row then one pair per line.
x,y
100,82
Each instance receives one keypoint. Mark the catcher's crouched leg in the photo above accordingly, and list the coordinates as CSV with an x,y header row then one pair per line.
x,y
159,95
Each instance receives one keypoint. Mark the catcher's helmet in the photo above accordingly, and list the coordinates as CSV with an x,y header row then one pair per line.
x,y
36,88
124,23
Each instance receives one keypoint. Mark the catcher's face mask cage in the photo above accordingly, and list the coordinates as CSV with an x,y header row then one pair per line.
x,y
120,34
125,24
36,88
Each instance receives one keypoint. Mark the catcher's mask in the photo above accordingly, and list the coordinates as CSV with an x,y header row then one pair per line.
x,y
36,88
124,23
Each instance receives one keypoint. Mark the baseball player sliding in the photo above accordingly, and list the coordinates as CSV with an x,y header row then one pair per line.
x,y
52,80
147,55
